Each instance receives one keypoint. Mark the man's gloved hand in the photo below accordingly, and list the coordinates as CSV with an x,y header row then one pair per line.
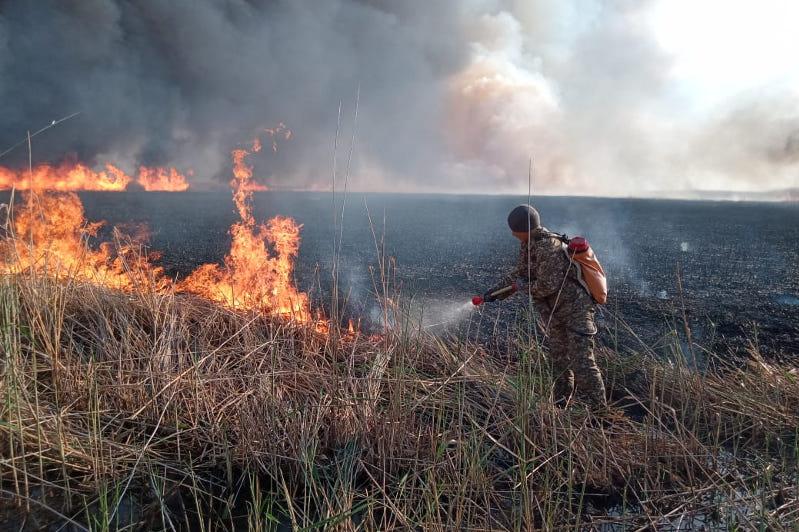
x,y
496,294
488,297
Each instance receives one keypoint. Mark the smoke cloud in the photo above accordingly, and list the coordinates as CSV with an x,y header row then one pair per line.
x,y
455,95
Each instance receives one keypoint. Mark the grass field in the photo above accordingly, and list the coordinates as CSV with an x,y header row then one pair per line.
x,y
145,410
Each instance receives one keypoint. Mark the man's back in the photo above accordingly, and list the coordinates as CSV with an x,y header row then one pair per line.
x,y
554,283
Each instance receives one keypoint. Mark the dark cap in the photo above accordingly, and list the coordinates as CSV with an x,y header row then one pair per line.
x,y
523,218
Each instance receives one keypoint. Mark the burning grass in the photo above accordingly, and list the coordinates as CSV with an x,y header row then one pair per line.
x,y
71,176
167,411
48,234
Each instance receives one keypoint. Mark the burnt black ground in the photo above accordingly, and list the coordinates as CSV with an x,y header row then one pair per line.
x,y
738,261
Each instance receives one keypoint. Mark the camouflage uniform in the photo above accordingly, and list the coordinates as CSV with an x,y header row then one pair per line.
x,y
568,316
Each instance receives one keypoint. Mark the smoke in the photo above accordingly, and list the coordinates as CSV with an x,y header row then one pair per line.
x,y
456,95
756,139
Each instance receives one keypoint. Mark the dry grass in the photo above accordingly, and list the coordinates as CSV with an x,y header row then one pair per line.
x,y
159,411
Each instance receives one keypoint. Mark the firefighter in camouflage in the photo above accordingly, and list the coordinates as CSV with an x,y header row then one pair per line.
x,y
566,309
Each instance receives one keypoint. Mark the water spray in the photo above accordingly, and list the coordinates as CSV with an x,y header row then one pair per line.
x,y
456,314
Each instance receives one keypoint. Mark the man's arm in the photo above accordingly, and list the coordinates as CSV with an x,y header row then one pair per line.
x,y
511,281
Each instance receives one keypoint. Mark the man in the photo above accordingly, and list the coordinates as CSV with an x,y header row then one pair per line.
x,y
565,306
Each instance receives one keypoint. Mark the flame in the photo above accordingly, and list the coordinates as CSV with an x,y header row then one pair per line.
x,y
162,179
70,176
320,324
67,176
277,133
258,270
50,236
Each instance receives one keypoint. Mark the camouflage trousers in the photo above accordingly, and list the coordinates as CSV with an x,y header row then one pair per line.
x,y
574,367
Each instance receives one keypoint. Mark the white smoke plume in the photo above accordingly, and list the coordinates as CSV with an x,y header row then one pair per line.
x,y
456,95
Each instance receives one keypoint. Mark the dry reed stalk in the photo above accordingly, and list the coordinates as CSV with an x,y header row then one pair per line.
x,y
106,393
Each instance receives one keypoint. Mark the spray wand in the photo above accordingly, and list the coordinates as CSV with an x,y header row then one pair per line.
x,y
494,295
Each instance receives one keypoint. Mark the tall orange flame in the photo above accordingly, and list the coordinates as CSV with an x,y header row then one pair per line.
x,y
257,272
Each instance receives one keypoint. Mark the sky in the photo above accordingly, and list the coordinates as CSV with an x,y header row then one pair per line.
x,y
613,97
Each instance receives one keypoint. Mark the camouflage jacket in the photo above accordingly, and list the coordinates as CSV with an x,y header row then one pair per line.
x,y
548,271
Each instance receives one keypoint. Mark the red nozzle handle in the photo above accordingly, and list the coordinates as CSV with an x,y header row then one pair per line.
x,y
477,301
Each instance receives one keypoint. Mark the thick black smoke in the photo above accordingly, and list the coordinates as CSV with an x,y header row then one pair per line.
x,y
180,82
455,94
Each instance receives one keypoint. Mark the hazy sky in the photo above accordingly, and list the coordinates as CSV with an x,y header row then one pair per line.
x,y
619,97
